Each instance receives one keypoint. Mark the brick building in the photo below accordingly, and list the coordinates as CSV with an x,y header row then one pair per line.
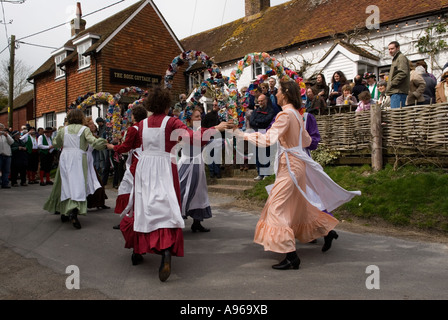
x,y
23,111
132,48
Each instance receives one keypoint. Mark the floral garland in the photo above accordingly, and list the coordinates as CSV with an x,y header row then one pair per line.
x,y
216,80
126,119
237,109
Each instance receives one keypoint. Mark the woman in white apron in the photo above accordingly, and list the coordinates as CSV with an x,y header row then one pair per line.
x,y
132,145
193,182
301,189
155,221
69,193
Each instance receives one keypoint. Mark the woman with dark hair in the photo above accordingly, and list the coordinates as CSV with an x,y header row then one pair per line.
x,y
138,113
294,209
321,86
154,221
69,194
337,82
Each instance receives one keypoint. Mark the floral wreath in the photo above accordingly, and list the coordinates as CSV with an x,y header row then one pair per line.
x,y
237,108
216,79
116,124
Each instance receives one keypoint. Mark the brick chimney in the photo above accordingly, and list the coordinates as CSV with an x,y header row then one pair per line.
x,y
78,24
254,8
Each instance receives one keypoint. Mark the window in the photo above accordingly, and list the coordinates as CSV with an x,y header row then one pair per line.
x,y
57,60
257,69
88,111
195,80
83,61
50,119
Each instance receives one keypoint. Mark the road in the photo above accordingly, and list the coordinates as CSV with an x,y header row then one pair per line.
x,y
36,248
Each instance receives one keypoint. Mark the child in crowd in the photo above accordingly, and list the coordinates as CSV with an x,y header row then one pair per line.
x,y
365,99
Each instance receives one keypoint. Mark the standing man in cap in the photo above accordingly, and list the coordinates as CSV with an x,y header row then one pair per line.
x,y
19,161
45,145
372,85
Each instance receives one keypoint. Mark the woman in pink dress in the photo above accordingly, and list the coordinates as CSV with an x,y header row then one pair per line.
x,y
302,190
154,223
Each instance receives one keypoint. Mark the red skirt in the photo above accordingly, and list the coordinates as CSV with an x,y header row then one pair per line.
x,y
121,202
152,242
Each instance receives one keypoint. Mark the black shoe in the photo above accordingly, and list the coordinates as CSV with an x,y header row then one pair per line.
x,y
74,219
286,264
64,218
198,227
43,184
49,183
136,258
329,239
116,227
165,266
103,207
6,187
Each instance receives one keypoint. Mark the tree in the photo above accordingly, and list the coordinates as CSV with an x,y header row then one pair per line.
x,y
432,41
21,73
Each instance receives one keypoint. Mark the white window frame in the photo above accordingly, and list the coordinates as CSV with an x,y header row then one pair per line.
x,y
83,61
194,80
59,73
50,119
257,69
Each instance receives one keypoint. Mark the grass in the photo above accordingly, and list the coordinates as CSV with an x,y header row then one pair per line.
x,y
410,196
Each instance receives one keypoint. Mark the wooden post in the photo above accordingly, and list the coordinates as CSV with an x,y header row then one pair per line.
x,y
377,137
11,82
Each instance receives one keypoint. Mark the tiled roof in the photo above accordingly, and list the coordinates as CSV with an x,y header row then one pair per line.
x,y
104,29
22,100
352,48
298,22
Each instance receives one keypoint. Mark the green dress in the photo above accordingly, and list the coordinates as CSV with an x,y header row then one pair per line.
x,y
54,203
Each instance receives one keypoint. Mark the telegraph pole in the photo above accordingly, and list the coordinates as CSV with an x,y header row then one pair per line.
x,y
11,82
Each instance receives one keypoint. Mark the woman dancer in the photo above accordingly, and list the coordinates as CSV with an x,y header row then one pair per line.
x,y
96,192
291,212
138,114
155,222
69,193
193,183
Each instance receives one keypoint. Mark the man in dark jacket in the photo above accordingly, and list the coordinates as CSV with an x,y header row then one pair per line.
x,y
260,120
398,84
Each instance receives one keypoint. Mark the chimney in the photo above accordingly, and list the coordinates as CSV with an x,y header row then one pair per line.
x,y
254,8
78,24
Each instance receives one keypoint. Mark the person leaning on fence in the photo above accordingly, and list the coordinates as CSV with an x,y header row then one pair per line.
x,y
417,86
347,98
365,100
442,88
399,77
384,100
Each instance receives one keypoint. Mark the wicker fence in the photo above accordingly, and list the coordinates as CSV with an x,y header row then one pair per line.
x,y
411,134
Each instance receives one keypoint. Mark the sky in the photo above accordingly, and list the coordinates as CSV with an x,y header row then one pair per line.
x,y
185,17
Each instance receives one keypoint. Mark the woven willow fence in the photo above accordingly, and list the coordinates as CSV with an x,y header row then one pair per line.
x,y
408,134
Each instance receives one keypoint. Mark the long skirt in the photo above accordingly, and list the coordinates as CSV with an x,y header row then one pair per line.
x,y
152,242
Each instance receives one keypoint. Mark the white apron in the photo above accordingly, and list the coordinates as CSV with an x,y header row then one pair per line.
x,y
321,191
126,184
73,184
155,200
200,199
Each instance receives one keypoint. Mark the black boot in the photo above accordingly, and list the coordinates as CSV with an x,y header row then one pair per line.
x,y
197,226
291,261
329,239
136,258
165,265
74,218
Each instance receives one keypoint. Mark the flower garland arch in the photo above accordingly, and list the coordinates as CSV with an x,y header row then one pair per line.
x,y
216,81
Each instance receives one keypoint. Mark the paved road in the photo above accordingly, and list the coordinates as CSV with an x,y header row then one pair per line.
x,y
36,248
